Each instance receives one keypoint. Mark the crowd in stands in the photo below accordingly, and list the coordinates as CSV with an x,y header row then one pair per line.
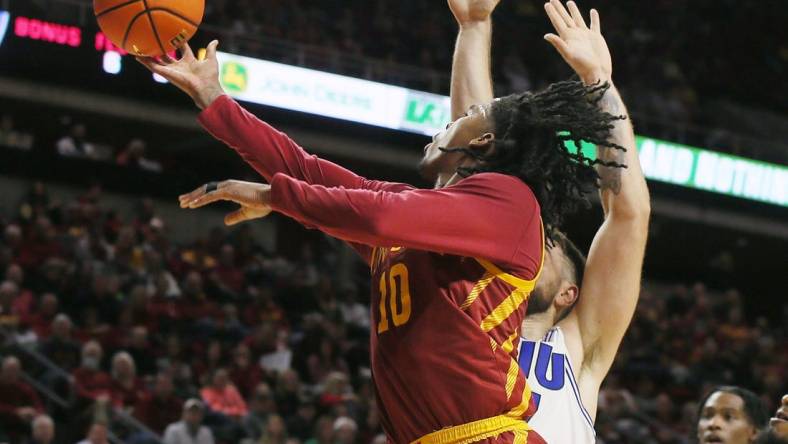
x,y
657,48
75,142
228,342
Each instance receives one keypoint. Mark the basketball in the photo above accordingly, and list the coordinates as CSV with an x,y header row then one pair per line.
x,y
149,27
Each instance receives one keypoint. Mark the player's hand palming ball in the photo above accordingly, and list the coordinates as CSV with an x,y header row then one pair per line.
x,y
149,27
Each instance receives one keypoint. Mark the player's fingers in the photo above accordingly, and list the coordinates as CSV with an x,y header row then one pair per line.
x,y
576,15
236,217
211,52
208,199
167,59
555,18
200,191
563,12
558,43
595,25
188,55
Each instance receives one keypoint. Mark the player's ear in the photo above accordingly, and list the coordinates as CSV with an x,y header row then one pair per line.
x,y
568,295
484,143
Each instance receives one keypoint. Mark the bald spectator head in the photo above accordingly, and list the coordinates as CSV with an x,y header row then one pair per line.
x,y
11,370
43,430
61,326
123,368
91,355
48,305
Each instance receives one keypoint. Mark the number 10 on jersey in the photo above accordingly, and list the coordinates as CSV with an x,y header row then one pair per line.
x,y
394,293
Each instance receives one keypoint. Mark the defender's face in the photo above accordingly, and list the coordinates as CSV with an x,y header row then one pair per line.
x,y
779,423
474,124
723,421
549,283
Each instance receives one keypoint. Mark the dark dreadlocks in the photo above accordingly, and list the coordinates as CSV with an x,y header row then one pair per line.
x,y
531,130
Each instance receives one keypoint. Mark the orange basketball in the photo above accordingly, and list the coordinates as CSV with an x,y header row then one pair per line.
x,y
149,27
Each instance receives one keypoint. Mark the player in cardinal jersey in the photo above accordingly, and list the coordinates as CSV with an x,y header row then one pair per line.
x,y
569,342
452,267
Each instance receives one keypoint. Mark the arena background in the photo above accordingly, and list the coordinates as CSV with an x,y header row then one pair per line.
x,y
100,239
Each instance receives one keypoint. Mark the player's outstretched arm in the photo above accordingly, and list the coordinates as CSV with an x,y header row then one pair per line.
x,y
472,218
471,80
266,149
611,283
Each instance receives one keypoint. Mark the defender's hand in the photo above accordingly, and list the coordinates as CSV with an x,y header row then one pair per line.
x,y
199,78
583,48
254,199
472,11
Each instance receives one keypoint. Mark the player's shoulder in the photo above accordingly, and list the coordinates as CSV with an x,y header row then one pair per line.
x,y
498,182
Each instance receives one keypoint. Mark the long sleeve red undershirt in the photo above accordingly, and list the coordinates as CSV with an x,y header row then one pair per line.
x,y
489,216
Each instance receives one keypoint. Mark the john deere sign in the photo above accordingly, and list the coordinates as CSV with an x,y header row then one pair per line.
x,y
234,77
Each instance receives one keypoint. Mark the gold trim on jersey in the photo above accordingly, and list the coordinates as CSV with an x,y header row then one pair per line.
x,y
525,402
477,289
508,345
477,431
504,309
511,378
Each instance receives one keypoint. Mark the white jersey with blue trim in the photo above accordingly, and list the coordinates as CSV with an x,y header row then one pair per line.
x,y
560,416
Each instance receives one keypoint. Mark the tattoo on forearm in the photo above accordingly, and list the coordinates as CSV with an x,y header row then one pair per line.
x,y
610,177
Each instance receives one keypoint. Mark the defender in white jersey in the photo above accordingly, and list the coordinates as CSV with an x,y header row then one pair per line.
x,y
561,416
569,342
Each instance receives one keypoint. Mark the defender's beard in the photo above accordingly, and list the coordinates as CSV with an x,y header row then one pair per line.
x,y
539,302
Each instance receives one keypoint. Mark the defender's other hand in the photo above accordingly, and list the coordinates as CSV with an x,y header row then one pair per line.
x,y
199,78
583,48
468,12
254,199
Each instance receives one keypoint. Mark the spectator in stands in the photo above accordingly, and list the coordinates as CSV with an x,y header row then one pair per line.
x,y
189,429
139,348
43,430
274,432
245,373
42,319
97,434
221,396
74,144
301,424
90,382
345,430
127,388
60,347
324,431
161,407
9,315
19,402
261,406
134,157
730,415
10,137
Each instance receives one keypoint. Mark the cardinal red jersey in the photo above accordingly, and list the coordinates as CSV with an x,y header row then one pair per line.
x,y
452,270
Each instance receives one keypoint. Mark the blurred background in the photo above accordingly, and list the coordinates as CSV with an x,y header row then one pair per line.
x,y
116,306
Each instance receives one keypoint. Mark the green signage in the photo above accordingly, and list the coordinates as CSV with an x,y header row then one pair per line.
x,y
234,77
423,111
708,170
